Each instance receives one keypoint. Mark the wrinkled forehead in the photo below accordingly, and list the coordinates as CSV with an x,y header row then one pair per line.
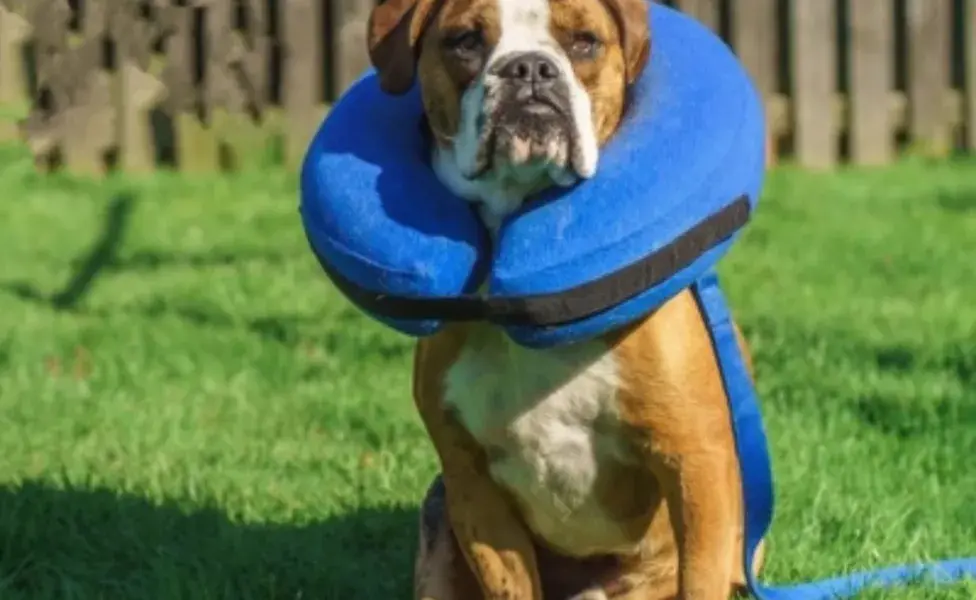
x,y
526,25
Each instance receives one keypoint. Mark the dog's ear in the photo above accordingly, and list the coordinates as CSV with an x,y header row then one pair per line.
x,y
394,29
635,33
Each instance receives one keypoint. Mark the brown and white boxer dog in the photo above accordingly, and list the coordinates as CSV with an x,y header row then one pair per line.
x,y
604,469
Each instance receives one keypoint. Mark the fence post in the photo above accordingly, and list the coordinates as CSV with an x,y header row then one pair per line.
x,y
77,117
814,82
754,37
349,56
969,94
928,73
217,88
136,91
224,98
706,11
303,76
182,100
242,131
14,95
871,62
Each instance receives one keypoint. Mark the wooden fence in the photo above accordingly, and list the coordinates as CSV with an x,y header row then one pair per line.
x,y
211,84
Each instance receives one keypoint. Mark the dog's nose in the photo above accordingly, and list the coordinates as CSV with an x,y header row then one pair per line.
x,y
529,67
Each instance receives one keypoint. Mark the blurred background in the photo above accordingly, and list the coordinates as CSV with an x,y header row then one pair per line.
x,y
189,410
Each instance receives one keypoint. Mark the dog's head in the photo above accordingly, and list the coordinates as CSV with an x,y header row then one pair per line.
x,y
523,90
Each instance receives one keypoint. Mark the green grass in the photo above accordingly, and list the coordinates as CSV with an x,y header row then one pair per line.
x,y
189,411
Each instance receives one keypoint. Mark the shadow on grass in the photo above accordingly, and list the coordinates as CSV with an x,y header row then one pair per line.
x,y
104,256
100,544
101,254
958,203
89,266
956,357
150,260
908,413
288,330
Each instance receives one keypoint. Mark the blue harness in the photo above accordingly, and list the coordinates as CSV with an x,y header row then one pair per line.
x,y
673,191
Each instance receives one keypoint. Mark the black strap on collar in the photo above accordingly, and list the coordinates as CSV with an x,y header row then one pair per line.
x,y
564,307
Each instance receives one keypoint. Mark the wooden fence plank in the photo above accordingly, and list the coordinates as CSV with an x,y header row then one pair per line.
x,y
85,118
218,86
224,97
814,82
95,18
969,31
191,148
49,18
256,54
244,59
871,61
78,119
349,56
753,36
754,40
136,91
928,73
302,77
706,11
14,95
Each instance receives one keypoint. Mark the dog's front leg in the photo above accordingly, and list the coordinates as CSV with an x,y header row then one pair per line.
x,y
698,470
495,543
673,398
704,524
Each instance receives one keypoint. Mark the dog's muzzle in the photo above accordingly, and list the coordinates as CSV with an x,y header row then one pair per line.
x,y
532,84
528,116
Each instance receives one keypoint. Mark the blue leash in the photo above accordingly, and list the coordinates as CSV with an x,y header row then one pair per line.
x,y
757,476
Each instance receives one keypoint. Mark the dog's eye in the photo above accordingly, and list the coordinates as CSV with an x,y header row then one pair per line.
x,y
584,44
465,42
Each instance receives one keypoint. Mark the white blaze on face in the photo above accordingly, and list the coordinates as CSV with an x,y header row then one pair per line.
x,y
524,26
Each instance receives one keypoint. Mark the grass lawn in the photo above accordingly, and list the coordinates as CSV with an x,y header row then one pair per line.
x,y
189,411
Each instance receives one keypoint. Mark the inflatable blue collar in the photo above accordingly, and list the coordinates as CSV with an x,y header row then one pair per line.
x,y
673,190
673,187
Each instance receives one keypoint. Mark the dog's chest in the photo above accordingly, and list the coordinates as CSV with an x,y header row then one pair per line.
x,y
549,423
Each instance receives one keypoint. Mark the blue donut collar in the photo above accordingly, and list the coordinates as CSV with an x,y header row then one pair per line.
x,y
674,187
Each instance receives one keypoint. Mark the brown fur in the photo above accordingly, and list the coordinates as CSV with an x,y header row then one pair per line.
x,y
443,80
605,78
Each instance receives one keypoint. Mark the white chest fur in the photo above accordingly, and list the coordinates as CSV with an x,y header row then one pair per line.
x,y
548,420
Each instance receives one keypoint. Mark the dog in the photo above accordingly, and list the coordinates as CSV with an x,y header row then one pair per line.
x,y
602,469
